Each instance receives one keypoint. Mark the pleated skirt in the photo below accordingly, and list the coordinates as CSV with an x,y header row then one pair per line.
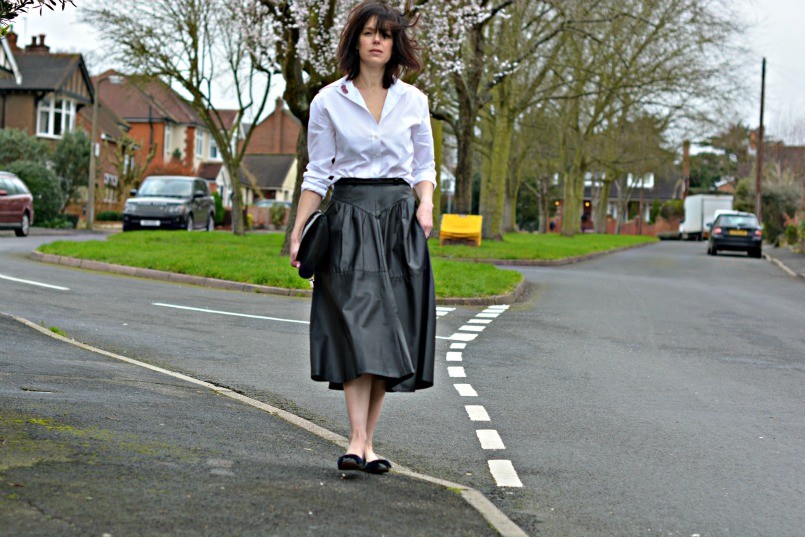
x,y
374,307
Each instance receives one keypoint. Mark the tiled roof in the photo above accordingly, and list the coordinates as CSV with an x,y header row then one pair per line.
x,y
139,100
267,171
227,118
43,72
210,170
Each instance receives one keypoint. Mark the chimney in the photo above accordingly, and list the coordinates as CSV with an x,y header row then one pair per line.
x,y
38,48
12,42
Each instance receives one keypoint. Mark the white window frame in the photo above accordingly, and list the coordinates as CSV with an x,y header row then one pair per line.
x,y
199,143
67,113
167,140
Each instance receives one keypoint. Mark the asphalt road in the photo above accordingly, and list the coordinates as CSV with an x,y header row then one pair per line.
x,y
654,391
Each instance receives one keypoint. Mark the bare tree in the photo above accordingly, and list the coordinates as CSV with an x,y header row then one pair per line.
x,y
11,9
185,43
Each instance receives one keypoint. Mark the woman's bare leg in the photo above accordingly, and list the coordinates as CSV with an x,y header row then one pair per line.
x,y
377,396
358,395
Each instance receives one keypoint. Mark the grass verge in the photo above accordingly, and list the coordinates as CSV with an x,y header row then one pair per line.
x,y
255,258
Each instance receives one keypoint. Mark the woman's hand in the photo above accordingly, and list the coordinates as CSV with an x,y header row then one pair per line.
x,y
424,215
295,242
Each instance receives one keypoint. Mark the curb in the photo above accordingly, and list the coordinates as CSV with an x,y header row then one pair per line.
x,y
216,283
494,516
782,265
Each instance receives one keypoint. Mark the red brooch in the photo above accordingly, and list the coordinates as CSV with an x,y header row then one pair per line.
x,y
344,88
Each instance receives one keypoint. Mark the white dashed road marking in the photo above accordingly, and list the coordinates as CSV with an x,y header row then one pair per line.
x,y
504,474
486,315
465,390
458,336
217,312
456,372
477,413
453,356
490,439
31,282
457,345
472,328
479,321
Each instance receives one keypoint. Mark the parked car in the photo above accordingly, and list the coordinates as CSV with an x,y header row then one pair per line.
x,y
170,202
736,231
16,205
271,203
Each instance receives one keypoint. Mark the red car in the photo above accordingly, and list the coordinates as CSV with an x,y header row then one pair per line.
x,y
16,204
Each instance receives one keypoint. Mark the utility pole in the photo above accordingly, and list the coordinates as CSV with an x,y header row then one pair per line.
x,y
759,181
686,167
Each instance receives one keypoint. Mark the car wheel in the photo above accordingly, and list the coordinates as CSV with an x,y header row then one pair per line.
x,y
190,223
756,253
713,251
25,226
210,222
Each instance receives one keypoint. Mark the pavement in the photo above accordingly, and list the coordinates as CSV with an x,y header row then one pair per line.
x,y
788,260
93,445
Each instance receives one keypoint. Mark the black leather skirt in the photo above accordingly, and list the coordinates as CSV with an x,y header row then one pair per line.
x,y
374,307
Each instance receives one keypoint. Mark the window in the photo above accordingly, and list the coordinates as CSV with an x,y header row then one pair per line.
x,y
199,143
167,139
214,149
55,117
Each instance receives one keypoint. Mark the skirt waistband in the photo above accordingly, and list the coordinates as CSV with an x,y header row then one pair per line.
x,y
370,182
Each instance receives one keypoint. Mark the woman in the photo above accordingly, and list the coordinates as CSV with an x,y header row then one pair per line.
x,y
373,313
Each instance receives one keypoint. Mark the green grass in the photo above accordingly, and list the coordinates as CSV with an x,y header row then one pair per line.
x,y
255,258
538,247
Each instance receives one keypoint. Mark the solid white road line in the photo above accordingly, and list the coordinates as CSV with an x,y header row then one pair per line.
x,y
488,315
457,345
229,313
465,390
477,413
479,321
498,307
472,328
30,282
453,356
456,372
504,473
490,439
458,336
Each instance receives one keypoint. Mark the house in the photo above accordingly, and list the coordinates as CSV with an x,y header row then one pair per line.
x,y
269,170
161,120
47,94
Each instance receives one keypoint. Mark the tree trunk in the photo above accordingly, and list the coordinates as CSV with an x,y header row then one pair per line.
x,y
600,209
465,155
493,186
438,138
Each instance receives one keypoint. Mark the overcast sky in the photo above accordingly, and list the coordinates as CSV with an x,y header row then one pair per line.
x,y
775,31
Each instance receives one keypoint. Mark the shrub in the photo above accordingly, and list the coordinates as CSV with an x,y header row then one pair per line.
x,y
277,214
220,213
71,162
16,145
109,216
44,186
791,234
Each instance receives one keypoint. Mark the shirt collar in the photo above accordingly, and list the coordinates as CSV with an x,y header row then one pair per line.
x,y
348,90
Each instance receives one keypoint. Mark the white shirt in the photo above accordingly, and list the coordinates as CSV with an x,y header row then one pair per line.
x,y
344,140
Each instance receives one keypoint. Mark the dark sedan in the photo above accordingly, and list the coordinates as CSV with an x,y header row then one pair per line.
x,y
170,202
736,231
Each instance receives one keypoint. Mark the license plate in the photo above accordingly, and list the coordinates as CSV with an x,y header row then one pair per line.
x,y
739,232
149,223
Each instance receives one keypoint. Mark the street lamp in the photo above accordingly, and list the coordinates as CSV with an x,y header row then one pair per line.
x,y
90,210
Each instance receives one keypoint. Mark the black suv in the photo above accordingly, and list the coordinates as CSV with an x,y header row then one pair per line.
x,y
170,202
736,231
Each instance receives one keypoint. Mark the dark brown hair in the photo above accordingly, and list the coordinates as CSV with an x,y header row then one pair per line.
x,y
405,50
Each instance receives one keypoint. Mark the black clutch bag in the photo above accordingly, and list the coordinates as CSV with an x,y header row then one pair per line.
x,y
313,247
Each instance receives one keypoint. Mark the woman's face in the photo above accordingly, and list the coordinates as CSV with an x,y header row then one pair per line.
x,y
374,46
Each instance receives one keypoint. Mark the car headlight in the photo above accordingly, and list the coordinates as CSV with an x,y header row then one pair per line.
x,y
175,209
129,207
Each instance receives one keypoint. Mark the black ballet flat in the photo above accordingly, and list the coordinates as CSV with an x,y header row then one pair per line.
x,y
351,462
379,466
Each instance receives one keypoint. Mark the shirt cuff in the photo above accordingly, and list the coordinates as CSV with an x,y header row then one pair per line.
x,y
319,186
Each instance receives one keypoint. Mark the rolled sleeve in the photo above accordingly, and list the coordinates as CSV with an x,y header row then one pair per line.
x,y
321,149
424,164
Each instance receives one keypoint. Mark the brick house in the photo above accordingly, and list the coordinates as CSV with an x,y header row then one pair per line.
x,y
47,94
